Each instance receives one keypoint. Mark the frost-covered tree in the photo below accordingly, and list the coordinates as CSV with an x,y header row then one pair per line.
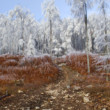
x,y
96,31
103,7
18,15
43,33
31,50
78,37
64,35
23,24
91,31
6,30
80,8
105,38
15,29
67,30
52,15
21,43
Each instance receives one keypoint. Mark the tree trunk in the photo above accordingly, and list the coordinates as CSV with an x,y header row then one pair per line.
x,y
51,37
93,45
22,32
43,50
87,38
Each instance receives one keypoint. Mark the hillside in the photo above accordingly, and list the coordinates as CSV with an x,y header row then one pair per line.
x,y
60,84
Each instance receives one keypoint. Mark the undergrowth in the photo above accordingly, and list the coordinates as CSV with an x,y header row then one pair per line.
x,y
42,70
39,71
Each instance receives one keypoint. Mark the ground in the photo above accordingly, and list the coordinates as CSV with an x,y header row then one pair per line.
x,y
52,84
59,95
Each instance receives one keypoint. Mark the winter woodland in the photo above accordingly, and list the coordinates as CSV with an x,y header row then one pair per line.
x,y
22,34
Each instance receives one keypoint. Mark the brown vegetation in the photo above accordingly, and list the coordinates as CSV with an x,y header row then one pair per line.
x,y
37,71
42,70
78,62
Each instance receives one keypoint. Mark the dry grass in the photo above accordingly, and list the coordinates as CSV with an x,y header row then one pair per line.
x,y
78,62
94,79
103,90
39,70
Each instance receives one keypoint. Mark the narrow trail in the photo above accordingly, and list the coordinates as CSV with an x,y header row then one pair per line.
x,y
65,95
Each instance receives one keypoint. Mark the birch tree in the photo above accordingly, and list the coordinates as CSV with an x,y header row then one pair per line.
x,y
80,9
51,14
31,50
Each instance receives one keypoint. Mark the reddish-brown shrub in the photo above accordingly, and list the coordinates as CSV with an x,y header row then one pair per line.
x,y
14,57
10,63
38,70
94,79
78,62
33,61
2,59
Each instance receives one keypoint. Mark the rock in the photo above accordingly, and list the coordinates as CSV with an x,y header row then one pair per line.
x,y
64,92
70,108
76,88
44,104
68,86
89,86
5,107
87,94
66,96
77,101
32,97
37,108
53,92
20,91
52,97
42,93
86,99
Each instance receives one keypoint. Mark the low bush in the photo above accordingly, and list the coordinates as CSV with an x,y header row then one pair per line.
x,y
38,70
78,62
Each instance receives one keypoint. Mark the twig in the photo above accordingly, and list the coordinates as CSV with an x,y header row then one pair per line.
x,y
4,96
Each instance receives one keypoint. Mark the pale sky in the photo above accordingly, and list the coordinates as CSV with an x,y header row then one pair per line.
x,y
34,6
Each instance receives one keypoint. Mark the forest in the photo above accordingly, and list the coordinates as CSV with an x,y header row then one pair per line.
x,y
56,63
21,34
